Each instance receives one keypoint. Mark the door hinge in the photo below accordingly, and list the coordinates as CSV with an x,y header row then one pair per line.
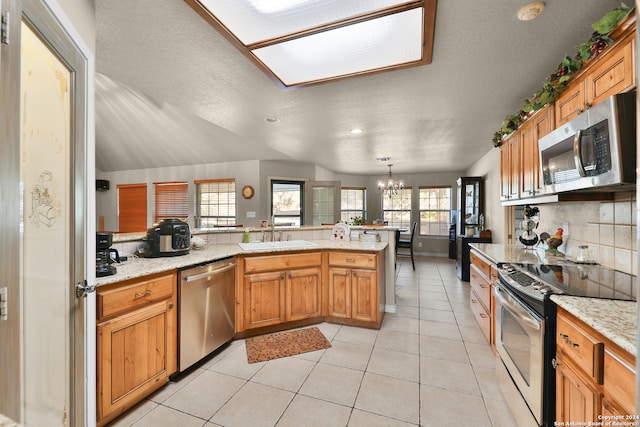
x,y
82,289
4,28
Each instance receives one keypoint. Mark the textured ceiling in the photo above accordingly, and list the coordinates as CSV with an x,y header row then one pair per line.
x,y
172,91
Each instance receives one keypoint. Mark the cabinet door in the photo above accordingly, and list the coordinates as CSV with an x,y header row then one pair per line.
x,y
339,292
570,102
136,354
303,294
528,144
264,299
575,398
364,295
543,124
614,73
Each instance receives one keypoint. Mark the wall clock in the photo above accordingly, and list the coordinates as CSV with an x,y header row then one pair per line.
x,y
247,191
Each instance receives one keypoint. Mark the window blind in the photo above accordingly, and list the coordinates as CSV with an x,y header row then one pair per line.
x,y
171,200
132,207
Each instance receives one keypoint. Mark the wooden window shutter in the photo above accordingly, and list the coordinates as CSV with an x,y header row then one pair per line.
x,y
132,207
171,200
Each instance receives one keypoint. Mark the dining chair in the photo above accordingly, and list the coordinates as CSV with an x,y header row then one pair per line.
x,y
403,242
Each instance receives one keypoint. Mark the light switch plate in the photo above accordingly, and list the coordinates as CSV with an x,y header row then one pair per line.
x,y
251,214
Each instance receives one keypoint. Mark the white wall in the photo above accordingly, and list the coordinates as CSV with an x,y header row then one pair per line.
x,y
83,15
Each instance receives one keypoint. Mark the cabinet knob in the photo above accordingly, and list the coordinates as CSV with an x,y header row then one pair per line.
x,y
355,273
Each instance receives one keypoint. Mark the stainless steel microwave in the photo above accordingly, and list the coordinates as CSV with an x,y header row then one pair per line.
x,y
596,149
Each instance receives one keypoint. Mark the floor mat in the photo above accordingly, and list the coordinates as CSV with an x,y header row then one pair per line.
x,y
283,344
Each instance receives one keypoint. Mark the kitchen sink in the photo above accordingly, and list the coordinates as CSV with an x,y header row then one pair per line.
x,y
286,244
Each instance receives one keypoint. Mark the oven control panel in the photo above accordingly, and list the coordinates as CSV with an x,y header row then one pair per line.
x,y
516,278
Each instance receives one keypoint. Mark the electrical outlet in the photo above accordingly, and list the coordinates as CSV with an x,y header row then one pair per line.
x,y
419,244
565,228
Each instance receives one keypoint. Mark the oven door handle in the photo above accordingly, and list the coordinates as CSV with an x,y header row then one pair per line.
x,y
516,309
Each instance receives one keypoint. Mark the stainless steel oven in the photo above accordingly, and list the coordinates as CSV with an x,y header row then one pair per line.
x,y
520,335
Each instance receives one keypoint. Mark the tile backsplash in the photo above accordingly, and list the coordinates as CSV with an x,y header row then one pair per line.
x,y
608,228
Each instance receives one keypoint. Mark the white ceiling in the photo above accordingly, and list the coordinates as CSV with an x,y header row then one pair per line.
x,y
171,91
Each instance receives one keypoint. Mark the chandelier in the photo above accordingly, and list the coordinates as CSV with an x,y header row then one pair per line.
x,y
390,188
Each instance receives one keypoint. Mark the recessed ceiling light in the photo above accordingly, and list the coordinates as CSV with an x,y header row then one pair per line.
x,y
530,11
356,130
271,119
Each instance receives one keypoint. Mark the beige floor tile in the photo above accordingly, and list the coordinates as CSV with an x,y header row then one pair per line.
x,y
236,365
442,348
448,375
329,330
347,355
465,318
390,397
367,419
163,416
500,414
488,383
433,296
393,322
437,315
481,355
472,333
333,383
287,373
410,312
440,329
404,366
440,407
254,405
399,341
174,386
356,335
309,412
134,414
203,396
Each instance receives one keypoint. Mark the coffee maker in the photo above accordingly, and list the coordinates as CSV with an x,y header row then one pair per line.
x,y
103,255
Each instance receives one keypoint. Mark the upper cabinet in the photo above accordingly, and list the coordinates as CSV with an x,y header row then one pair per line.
x,y
613,72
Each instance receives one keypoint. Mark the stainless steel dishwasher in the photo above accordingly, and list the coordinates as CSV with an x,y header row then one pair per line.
x,y
206,310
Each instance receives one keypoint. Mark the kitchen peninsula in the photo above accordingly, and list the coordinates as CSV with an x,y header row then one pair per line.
x,y
277,286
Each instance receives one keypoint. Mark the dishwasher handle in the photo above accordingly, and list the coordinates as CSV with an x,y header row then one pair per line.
x,y
207,274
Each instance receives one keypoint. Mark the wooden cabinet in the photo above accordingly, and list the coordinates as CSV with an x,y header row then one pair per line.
x,y
520,174
593,376
610,73
281,288
136,341
353,288
482,274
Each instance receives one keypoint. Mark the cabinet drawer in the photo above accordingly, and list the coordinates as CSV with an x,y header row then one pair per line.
x,y
482,316
141,293
350,259
483,266
480,286
619,381
583,349
282,262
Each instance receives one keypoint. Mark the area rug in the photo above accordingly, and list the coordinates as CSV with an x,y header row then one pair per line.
x,y
283,344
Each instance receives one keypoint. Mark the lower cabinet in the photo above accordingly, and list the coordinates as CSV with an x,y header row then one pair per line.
x,y
344,287
594,377
291,292
136,341
482,274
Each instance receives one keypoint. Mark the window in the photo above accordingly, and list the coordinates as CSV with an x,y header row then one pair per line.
x,y
352,203
435,211
215,203
171,200
132,207
396,210
287,202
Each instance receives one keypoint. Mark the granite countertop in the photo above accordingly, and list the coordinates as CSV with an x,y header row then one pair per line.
x,y
517,254
138,267
616,320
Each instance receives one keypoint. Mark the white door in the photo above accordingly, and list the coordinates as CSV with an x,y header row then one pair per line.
x,y
49,131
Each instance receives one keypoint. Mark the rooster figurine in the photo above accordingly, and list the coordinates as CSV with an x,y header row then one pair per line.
x,y
553,242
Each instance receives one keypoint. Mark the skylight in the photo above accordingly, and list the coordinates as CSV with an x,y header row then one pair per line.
x,y
304,42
